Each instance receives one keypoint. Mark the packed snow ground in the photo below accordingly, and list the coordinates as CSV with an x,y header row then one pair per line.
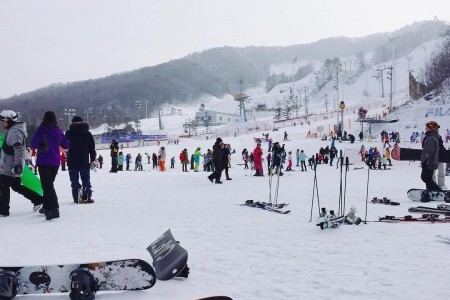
x,y
242,252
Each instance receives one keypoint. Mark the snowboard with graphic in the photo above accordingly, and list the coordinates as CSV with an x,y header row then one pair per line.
x,y
427,195
415,154
116,275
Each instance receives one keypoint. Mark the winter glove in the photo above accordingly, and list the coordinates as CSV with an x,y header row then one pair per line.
x,y
92,165
18,169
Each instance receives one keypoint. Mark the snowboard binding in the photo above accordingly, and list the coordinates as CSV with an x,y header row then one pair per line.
x,y
8,285
83,286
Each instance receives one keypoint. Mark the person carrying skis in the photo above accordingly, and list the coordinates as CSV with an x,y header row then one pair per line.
x,y
80,158
429,159
11,164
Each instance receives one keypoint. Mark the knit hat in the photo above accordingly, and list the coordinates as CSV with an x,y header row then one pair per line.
x,y
432,125
218,140
77,119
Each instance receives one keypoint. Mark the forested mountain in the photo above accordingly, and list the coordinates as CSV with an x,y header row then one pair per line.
x,y
216,72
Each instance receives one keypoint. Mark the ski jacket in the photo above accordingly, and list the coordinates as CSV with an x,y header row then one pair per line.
x,y
47,141
120,159
114,148
430,150
82,146
13,149
217,151
185,160
257,154
197,155
162,154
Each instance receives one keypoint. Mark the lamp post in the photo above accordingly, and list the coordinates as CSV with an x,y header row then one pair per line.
x,y
70,113
341,125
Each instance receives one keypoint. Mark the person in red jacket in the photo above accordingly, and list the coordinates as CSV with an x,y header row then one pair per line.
x,y
258,158
63,160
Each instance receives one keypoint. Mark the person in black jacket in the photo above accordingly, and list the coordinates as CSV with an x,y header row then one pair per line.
x,y
217,161
114,153
80,158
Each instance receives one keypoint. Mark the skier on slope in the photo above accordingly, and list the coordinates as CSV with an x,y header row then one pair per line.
x,y
432,143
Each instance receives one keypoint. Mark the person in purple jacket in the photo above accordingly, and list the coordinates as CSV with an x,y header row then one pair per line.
x,y
48,139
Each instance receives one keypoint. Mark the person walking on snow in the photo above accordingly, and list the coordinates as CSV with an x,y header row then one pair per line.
x,y
48,139
12,162
80,158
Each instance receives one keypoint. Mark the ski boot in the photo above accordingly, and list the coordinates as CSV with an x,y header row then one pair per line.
x,y
8,284
351,219
83,285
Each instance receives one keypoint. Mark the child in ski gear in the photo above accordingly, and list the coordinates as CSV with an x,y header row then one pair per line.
x,y
62,159
289,158
12,161
120,160
80,155
245,158
172,162
48,139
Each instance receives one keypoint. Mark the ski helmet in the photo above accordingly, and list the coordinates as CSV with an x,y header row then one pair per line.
x,y
7,115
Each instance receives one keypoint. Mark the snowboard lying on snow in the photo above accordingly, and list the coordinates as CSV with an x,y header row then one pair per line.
x,y
169,260
427,195
116,275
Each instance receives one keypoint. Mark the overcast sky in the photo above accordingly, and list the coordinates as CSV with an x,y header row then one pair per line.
x,y
48,41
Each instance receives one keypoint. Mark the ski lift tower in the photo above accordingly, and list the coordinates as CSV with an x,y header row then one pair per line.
x,y
241,98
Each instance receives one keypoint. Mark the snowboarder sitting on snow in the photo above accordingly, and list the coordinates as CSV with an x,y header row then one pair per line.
x,y
431,145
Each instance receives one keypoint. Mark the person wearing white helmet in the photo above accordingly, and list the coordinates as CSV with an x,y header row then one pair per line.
x,y
12,160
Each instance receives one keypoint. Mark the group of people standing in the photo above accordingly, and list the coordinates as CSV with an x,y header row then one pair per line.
x,y
48,140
